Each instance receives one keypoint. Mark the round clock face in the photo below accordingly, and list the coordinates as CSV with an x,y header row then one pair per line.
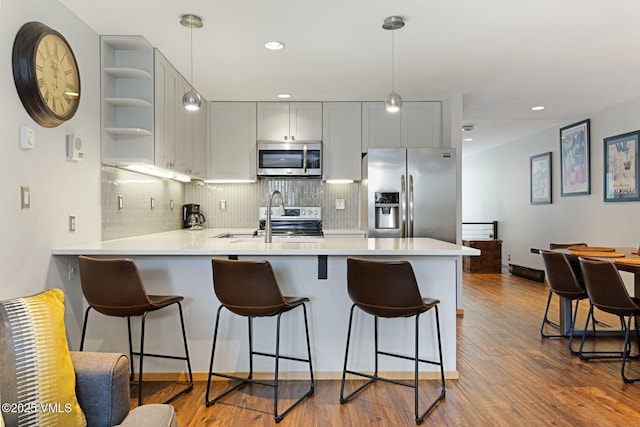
x,y
46,75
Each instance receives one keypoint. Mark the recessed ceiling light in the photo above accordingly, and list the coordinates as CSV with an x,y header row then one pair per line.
x,y
274,45
538,108
284,95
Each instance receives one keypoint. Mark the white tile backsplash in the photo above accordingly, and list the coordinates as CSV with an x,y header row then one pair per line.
x,y
242,202
137,218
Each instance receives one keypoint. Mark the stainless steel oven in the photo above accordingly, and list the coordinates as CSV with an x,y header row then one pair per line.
x,y
296,158
297,221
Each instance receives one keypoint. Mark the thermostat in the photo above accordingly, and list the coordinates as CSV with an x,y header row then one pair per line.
x,y
75,149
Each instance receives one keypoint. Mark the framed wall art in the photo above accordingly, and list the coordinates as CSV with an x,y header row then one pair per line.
x,y
541,179
575,173
621,167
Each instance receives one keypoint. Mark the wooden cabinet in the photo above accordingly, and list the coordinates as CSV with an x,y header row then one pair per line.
x,y
490,259
232,148
416,125
342,143
289,121
127,100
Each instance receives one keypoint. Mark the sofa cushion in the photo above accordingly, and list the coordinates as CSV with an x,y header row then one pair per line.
x,y
36,372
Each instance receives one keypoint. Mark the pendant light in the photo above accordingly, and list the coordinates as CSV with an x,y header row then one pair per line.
x,y
393,101
191,99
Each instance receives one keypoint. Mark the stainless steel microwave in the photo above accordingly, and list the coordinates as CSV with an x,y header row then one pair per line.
x,y
295,158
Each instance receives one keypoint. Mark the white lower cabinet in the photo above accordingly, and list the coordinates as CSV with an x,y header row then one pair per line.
x,y
232,143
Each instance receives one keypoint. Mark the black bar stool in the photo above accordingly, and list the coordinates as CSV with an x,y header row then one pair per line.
x,y
114,287
249,289
389,289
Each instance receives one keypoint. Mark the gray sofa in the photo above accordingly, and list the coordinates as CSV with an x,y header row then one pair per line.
x,y
102,389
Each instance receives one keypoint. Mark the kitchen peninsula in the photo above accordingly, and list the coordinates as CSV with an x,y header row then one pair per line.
x,y
178,262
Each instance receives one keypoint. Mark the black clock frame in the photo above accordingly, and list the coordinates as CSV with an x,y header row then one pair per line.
x,y
24,74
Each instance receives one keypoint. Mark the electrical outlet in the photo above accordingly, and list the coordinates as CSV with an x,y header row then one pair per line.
x,y
72,223
508,257
73,270
340,204
223,205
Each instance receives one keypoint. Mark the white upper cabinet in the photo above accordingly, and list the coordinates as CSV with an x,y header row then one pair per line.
x,y
422,124
232,148
342,132
379,128
143,120
167,81
416,125
178,132
289,121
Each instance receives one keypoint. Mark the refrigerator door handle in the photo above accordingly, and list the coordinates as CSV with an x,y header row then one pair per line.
x,y
403,207
410,205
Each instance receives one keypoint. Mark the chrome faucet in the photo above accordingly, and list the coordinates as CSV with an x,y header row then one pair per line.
x,y
267,225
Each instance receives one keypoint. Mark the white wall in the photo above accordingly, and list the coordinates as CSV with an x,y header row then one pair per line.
x,y
59,188
495,186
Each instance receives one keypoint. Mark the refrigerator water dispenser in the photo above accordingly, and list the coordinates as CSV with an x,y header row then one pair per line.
x,y
387,207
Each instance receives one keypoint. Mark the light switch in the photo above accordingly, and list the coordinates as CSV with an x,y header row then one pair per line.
x,y
153,203
340,204
27,138
72,223
120,202
223,205
25,197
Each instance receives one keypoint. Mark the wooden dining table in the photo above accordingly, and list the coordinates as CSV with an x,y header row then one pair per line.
x,y
624,258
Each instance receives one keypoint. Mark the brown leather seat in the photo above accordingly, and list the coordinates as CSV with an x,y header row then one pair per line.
x,y
389,289
608,293
114,287
575,265
249,289
562,282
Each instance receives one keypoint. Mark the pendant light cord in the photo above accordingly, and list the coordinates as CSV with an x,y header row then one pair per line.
x,y
191,33
393,59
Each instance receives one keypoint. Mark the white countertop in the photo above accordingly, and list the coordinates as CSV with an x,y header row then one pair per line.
x,y
205,242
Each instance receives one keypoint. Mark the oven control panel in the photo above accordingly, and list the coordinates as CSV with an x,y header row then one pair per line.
x,y
293,213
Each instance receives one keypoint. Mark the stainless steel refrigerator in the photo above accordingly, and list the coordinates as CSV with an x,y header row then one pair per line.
x,y
411,192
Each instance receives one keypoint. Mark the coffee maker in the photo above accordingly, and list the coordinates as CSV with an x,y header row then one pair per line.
x,y
191,216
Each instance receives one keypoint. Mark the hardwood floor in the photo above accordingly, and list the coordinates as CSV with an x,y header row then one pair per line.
x,y
508,376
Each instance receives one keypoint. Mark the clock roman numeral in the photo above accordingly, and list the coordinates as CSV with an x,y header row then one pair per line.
x,y
41,82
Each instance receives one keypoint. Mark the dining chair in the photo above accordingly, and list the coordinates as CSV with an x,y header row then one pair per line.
x,y
249,289
388,289
563,282
113,287
608,293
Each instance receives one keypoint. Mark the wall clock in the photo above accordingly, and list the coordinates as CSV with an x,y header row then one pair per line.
x,y
46,74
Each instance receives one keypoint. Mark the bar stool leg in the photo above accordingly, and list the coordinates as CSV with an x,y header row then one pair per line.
x,y
130,349
141,355
84,327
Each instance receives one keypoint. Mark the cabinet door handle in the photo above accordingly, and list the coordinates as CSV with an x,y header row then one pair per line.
x,y
293,138
285,137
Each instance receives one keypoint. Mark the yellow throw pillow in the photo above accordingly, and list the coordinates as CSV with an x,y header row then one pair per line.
x,y
37,380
